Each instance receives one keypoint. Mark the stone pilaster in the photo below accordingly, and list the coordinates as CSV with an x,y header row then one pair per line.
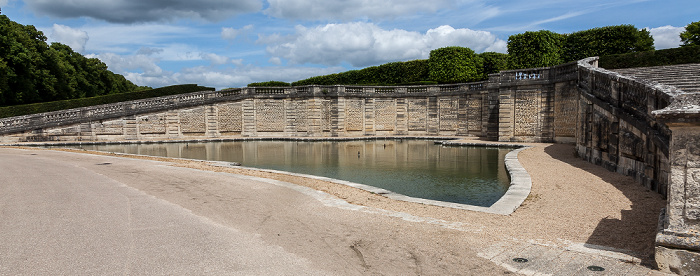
x,y
678,239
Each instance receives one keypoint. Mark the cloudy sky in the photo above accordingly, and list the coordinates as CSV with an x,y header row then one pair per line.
x,y
230,43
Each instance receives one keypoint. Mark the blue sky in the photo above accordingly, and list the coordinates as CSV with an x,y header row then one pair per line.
x,y
226,43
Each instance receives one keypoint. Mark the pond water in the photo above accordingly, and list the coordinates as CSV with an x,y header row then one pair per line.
x,y
416,168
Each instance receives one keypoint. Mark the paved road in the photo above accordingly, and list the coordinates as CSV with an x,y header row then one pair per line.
x,y
77,214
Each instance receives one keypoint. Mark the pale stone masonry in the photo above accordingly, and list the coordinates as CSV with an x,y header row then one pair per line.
x,y
634,126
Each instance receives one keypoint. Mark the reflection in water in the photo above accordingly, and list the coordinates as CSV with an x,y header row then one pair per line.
x,y
417,168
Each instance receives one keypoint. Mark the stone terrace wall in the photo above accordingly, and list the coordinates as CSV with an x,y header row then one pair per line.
x,y
309,111
617,129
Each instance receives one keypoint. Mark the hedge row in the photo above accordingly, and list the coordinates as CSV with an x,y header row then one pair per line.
x,y
19,110
682,55
546,48
269,84
393,73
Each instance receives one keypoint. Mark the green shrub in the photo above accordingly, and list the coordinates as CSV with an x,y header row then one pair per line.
x,y
682,55
19,110
269,84
609,40
386,74
454,64
535,49
493,63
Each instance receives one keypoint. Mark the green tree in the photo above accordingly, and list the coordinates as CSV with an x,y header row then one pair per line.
x,y
691,35
610,40
493,63
454,64
535,49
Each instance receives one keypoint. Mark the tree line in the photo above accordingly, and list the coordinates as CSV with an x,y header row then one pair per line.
x,y
544,48
33,71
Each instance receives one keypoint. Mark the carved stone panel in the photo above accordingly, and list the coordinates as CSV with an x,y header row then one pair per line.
x,y
449,113
301,117
230,117
152,124
417,114
192,121
527,109
269,115
326,115
385,114
354,115
474,113
565,113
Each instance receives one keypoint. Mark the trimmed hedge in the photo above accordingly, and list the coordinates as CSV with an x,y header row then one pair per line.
x,y
603,41
269,84
682,55
535,49
19,110
393,73
454,64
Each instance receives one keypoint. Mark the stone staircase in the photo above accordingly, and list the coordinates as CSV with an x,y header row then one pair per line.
x,y
685,77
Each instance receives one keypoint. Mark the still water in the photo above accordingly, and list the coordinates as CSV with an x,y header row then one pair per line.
x,y
416,168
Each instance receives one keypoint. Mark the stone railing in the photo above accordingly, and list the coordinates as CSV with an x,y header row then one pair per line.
x,y
150,105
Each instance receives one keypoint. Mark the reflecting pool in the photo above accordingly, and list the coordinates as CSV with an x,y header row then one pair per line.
x,y
416,168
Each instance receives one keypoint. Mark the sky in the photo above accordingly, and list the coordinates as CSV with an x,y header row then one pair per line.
x,y
231,43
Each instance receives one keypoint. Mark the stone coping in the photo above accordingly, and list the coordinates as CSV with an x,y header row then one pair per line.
x,y
519,190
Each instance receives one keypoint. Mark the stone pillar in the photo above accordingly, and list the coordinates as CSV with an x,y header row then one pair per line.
x,y
678,239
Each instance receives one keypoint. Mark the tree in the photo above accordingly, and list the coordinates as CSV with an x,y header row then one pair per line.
x,y
535,49
610,40
691,35
493,63
454,64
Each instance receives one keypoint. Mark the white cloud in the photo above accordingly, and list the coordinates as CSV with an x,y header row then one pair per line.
x,y
351,9
232,33
132,11
238,77
3,3
275,60
363,44
123,64
666,37
215,59
74,38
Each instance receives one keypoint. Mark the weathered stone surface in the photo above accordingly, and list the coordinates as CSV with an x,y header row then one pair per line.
x,y
678,261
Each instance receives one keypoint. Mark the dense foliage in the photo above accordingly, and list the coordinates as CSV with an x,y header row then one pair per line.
x,y
26,109
545,48
393,73
454,64
493,63
269,84
535,49
609,40
682,55
32,71
691,35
